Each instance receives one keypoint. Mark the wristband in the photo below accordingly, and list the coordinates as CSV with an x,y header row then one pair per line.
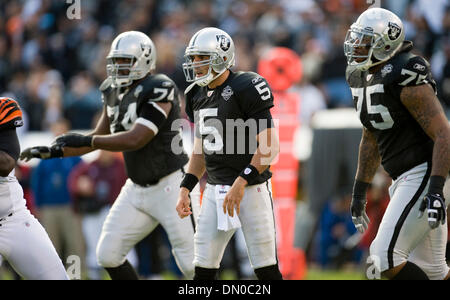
x,y
88,141
250,174
436,185
360,189
56,151
189,181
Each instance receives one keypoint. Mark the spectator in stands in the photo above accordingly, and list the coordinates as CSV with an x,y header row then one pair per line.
x,y
94,186
82,102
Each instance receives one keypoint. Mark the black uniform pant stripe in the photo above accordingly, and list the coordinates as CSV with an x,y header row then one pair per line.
x,y
192,215
192,210
404,215
273,215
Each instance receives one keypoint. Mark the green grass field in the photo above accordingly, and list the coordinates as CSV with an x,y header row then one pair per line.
x,y
316,274
312,274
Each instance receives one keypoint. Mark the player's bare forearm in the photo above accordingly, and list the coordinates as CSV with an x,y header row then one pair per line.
x,y
131,140
7,164
68,151
102,128
441,155
197,165
423,105
267,151
368,158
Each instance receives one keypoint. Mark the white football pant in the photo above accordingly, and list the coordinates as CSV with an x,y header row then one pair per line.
x,y
137,211
402,236
258,226
24,243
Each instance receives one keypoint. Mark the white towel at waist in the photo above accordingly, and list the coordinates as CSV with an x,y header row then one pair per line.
x,y
224,221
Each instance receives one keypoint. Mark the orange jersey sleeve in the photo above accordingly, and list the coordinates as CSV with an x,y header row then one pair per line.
x,y
10,114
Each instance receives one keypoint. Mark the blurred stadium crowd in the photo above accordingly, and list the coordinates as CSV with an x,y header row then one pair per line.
x,y
53,65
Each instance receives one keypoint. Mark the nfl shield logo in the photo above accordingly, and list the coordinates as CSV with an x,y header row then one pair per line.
x,y
227,93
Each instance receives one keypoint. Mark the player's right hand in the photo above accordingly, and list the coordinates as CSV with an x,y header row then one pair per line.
x,y
183,205
359,215
42,152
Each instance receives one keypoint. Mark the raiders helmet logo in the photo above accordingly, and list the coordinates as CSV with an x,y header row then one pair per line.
x,y
224,42
394,31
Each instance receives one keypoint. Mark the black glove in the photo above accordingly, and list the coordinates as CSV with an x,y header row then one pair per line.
x,y
42,152
74,140
434,202
358,206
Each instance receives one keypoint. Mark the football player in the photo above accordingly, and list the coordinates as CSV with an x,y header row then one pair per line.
x,y
404,129
238,190
19,229
138,111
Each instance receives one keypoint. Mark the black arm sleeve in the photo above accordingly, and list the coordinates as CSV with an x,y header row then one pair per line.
x,y
9,143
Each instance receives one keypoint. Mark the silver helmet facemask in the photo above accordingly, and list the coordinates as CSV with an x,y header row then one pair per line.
x,y
214,62
122,74
358,38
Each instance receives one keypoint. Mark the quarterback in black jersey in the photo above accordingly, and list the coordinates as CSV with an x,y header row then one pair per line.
x,y
138,110
235,143
404,129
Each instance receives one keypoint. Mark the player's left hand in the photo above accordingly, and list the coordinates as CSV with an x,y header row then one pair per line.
x,y
359,215
234,196
435,205
74,140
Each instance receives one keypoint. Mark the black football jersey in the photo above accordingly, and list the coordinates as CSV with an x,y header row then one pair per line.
x,y
227,119
402,143
156,159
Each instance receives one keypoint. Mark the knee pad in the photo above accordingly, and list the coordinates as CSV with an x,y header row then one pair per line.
x,y
205,274
380,257
184,262
269,273
107,257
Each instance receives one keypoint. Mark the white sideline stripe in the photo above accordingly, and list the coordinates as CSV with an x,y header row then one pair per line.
x,y
149,124
159,108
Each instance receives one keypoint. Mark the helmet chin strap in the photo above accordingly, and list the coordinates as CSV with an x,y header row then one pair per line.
x,y
369,63
120,83
208,79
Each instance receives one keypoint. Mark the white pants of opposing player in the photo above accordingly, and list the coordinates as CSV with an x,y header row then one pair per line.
x,y
23,241
137,211
92,228
402,236
258,226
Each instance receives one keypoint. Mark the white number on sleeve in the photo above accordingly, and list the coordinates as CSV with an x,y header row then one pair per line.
x,y
263,90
